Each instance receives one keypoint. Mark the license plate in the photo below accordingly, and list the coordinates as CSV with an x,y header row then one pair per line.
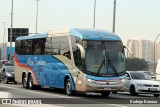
x,y
153,89
107,88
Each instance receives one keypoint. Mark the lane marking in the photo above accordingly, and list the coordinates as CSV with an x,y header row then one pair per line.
x,y
36,92
65,96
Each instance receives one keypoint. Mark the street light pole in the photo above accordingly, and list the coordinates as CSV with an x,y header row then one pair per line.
x,y
37,16
154,54
114,16
10,57
4,41
94,17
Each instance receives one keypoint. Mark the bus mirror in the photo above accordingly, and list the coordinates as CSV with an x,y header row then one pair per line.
x,y
81,50
128,49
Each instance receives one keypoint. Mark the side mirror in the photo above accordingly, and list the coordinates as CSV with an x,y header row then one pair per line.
x,y
3,71
128,49
128,78
81,50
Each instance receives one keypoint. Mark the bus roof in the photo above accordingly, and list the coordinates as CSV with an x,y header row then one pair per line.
x,y
33,36
94,34
87,34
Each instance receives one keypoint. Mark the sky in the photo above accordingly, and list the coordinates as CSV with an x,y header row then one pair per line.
x,y
135,19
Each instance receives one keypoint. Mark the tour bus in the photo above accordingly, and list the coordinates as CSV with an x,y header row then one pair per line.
x,y
76,60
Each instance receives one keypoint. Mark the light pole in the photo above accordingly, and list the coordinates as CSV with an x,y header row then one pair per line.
x,y
10,57
37,16
114,16
94,17
4,41
154,54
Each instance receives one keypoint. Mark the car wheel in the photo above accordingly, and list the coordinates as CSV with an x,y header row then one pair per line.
x,y
6,80
132,90
25,81
105,94
68,88
156,95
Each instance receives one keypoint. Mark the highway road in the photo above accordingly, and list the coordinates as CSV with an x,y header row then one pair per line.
x,y
58,98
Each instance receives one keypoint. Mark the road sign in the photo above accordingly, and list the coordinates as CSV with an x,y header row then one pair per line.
x,y
17,32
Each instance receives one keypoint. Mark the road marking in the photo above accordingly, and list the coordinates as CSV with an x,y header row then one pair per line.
x,y
64,96
118,105
36,92
35,105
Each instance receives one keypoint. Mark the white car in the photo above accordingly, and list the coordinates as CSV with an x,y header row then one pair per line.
x,y
140,83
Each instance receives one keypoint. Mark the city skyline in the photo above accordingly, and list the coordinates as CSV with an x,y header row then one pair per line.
x,y
135,19
144,49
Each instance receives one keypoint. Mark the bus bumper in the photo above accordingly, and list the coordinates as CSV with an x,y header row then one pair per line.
x,y
99,86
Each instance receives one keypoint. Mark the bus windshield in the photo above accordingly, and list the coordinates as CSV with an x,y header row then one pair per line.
x,y
104,58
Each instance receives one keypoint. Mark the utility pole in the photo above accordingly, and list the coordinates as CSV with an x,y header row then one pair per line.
x,y
37,16
4,41
10,57
155,54
114,16
94,17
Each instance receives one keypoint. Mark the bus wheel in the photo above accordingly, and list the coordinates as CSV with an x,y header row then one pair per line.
x,y
30,82
68,88
105,94
25,82
156,95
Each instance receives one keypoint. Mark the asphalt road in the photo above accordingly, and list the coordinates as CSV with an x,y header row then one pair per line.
x,y
57,97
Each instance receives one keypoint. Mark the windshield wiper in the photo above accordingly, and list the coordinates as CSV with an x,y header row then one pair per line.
x,y
104,59
100,66
107,61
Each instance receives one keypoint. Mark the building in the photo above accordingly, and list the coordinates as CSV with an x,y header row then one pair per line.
x,y
141,49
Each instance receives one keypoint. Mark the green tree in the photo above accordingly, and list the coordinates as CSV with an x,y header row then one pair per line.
x,y
136,64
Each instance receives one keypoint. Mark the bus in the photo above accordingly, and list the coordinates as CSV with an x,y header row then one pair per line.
x,y
76,60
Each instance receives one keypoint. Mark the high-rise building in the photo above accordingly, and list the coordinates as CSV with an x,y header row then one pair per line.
x,y
141,49
134,46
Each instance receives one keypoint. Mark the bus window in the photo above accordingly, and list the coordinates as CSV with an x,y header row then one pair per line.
x,y
57,46
29,47
76,51
38,46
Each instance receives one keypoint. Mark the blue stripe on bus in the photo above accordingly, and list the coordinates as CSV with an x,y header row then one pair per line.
x,y
49,70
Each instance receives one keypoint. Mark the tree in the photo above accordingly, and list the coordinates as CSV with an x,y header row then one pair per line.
x,y
136,64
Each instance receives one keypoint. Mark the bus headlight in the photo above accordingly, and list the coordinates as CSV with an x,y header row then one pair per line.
x,y
123,80
89,80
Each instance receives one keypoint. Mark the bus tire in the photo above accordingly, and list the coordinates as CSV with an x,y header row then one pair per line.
x,y
68,88
156,95
30,82
105,94
25,81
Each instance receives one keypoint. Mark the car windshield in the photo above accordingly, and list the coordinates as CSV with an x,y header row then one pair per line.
x,y
139,76
105,58
9,69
